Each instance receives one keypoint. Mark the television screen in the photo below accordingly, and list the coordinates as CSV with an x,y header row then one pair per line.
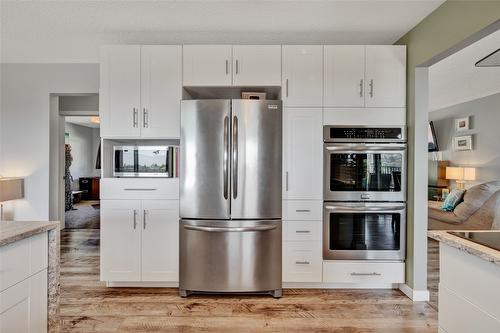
x,y
432,143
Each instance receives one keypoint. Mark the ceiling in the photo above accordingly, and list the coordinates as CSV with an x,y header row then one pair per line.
x,y
83,121
73,31
456,79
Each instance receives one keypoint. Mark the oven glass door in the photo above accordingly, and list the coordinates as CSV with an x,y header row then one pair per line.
x,y
363,174
144,161
375,233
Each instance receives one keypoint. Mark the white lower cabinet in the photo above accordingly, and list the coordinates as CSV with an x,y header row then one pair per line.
x,y
139,240
363,272
23,285
302,261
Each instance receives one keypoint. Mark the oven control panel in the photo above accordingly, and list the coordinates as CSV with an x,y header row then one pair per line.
x,y
366,134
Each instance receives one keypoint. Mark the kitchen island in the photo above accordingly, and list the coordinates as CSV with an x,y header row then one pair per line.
x,y
469,286
29,276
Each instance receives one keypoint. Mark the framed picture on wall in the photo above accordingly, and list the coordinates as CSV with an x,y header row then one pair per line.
x,y
462,142
462,124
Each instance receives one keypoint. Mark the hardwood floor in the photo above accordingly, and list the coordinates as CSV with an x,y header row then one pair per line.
x,y
88,306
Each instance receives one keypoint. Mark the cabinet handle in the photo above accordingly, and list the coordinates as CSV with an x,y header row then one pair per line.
x,y
286,87
286,181
135,219
135,117
227,67
302,231
145,120
140,189
365,274
144,214
371,88
302,210
302,262
361,88
237,66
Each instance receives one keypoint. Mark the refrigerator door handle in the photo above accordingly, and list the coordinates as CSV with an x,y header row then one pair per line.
x,y
235,157
231,229
225,162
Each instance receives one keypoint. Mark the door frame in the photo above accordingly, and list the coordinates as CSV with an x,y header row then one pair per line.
x,y
57,154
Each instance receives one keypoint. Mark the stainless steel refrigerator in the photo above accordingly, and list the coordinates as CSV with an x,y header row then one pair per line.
x,y
230,196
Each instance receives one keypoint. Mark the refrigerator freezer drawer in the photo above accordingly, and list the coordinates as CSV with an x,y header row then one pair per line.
x,y
230,256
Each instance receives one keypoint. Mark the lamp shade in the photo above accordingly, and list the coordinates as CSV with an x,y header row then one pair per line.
x,y
11,189
459,173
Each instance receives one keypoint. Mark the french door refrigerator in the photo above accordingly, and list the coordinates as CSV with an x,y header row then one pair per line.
x,y
230,196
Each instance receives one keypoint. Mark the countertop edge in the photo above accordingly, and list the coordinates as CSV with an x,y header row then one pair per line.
x,y
13,231
478,250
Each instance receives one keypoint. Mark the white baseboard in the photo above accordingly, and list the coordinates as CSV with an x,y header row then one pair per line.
x,y
414,295
321,285
139,284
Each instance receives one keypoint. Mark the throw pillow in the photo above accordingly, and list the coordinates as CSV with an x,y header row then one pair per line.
x,y
453,199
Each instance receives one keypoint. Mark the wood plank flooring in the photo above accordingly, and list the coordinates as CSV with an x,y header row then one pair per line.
x,y
88,306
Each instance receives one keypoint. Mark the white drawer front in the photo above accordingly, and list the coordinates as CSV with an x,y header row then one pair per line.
x,y
21,259
302,210
302,230
364,116
302,262
363,272
140,188
470,277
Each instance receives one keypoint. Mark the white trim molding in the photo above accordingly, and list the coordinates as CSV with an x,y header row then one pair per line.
x,y
415,295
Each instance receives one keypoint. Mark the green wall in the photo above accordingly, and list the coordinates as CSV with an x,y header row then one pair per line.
x,y
448,25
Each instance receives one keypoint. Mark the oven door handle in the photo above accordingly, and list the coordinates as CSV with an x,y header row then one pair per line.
x,y
366,147
231,229
365,209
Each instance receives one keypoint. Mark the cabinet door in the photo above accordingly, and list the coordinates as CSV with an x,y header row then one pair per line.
x,y
257,65
120,91
161,90
160,240
121,222
344,75
303,144
386,76
207,65
303,75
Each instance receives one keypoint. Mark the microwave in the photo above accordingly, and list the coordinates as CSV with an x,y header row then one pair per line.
x,y
145,161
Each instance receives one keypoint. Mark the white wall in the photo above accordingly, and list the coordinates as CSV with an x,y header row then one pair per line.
x,y
24,131
82,140
485,121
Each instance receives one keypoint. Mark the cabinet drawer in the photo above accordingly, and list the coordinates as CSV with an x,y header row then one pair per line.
x,y
302,230
21,259
364,116
363,272
139,188
302,262
302,210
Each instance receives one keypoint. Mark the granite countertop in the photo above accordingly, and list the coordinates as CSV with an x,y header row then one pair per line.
x,y
13,231
465,245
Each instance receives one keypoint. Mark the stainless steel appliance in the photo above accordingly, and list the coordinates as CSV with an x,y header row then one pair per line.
x,y
361,230
364,213
364,163
230,196
144,161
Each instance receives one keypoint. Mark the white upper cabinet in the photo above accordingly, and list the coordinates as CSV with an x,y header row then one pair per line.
x,y
141,89
161,90
120,90
207,65
121,240
160,240
385,76
256,65
303,159
344,76
372,76
302,75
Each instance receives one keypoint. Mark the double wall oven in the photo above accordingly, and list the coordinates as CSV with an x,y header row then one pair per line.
x,y
364,192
